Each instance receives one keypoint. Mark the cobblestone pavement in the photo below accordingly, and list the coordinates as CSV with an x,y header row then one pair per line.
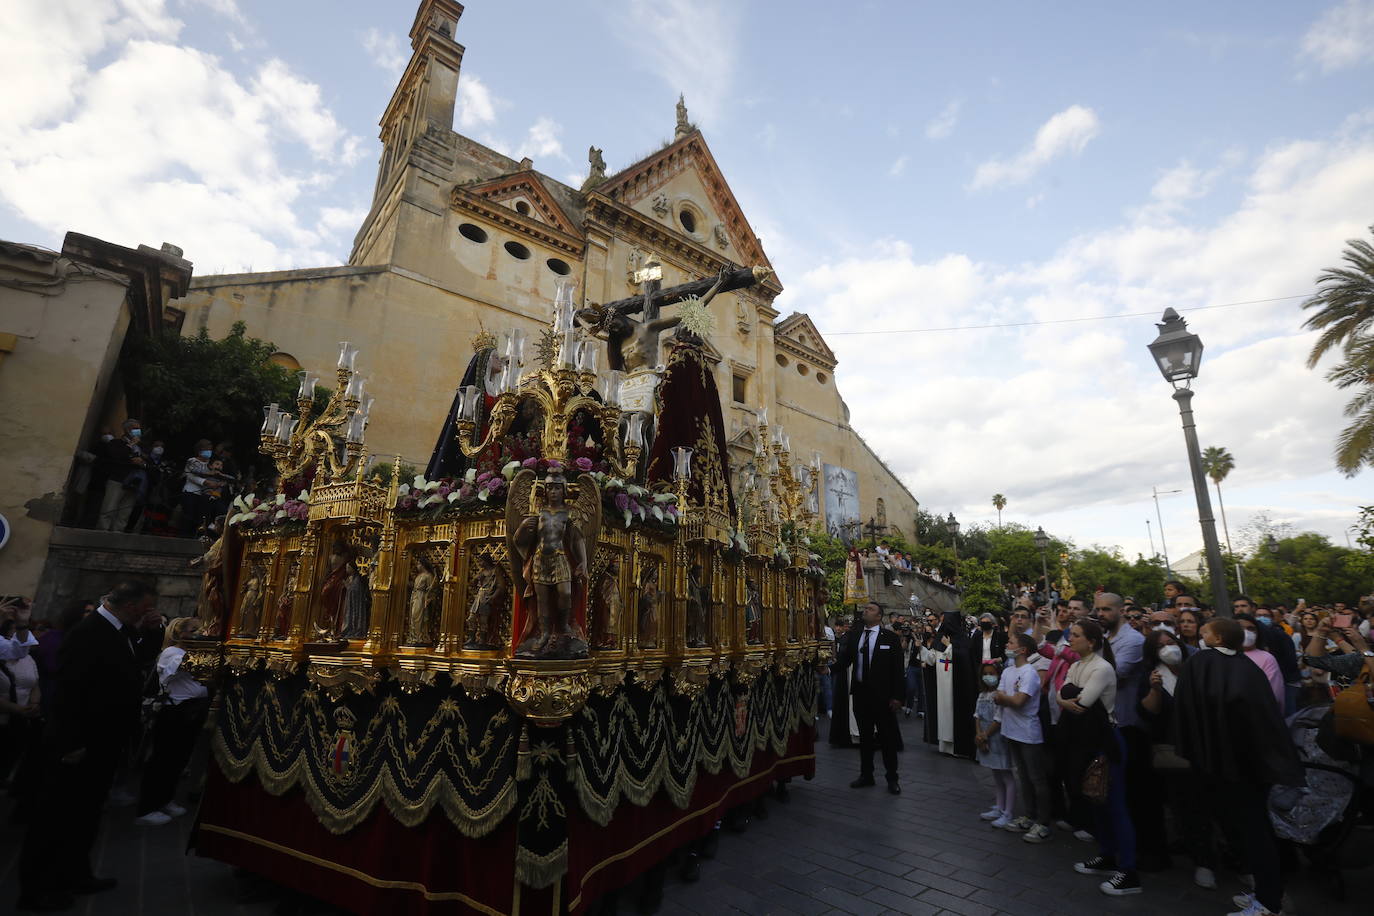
x,y
830,850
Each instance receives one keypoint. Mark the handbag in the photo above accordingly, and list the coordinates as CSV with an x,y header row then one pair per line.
x,y
1166,757
1352,713
1097,779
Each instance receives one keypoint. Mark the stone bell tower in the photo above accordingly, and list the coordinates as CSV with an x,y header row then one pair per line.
x,y
418,121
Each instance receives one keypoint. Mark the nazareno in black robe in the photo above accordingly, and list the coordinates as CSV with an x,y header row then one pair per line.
x,y
448,460
1229,726
954,631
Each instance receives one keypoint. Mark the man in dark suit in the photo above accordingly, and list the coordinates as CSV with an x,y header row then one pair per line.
x,y
873,657
100,677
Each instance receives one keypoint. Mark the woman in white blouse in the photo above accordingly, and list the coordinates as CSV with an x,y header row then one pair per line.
x,y
1088,696
179,722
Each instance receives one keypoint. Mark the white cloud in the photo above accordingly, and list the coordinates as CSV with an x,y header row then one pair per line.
x,y
1342,37
476,105
142,141
942,125
387,51
692,45
1066,133
982,402
542,140
899,166
229,9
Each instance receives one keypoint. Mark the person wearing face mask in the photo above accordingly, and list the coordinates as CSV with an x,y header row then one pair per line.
x,y
124,477
1261,657
1018,701
193,501
1273,640
989,644
1239,747
992,750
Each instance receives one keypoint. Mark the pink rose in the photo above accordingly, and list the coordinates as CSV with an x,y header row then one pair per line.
x,y
584,464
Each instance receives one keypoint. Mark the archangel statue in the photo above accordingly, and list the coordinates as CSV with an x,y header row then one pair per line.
x,y
547,540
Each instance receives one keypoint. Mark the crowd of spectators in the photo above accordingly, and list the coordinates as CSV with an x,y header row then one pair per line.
x,y
91,698
1152,731
127,481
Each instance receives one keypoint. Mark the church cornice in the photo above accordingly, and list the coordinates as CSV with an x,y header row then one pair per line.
x,y
468,201
801,352
526,183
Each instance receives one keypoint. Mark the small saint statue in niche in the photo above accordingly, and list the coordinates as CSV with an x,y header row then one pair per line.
x,y
606,608
286,601
422,608
210,606
698,607
357,602
648,608
250,606
489,601
753,613
332,593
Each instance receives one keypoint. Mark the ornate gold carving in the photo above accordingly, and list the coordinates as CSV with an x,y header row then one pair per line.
x,y
339,680
547,697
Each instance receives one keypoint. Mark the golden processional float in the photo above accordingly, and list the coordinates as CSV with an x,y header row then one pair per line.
x,y
515,688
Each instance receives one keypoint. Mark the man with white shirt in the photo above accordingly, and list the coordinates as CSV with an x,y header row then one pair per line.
x,y
17,646
95,715
873,657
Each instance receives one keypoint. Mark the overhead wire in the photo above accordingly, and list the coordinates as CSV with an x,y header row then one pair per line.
x,y
1048,321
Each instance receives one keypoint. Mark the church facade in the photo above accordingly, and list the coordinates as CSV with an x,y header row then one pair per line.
x,y
461,239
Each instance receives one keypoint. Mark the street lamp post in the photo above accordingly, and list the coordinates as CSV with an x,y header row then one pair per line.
x,y
952,524
1042,541
1178,354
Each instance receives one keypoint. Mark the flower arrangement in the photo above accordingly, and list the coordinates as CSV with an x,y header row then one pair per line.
x,y
632,503
263,513
736,547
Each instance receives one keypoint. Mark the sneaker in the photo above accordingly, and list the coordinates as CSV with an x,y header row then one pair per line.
x,y
1253,908
906,711
1120,884
1064,826
1203,877
1002,821
172,809
991,814
1038,833
1097,865
1085,836
152,819
1020,825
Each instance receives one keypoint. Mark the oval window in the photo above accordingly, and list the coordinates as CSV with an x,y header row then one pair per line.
x,y
559,267
803,368
522,208
782,360
516,250
472,232
689,222
821,377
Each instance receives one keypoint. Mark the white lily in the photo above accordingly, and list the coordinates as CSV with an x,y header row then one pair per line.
x,y
658,513
281,499
510,469
430,501
304,497
418,483
281,514
404,490
471,475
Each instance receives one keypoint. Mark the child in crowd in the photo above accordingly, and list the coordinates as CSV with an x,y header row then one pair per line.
x,y
992,750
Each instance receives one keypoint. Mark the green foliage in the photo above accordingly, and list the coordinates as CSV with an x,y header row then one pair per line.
x,y
982,592
382,471
1344,314
1013,547
1307,566
833,554
189,388
1361,561
1217,463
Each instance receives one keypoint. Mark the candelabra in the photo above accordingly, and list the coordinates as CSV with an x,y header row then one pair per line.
x,y
565,382
777,495
332,441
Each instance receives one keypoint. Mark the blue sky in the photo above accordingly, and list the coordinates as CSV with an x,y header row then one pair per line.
x,y
907,165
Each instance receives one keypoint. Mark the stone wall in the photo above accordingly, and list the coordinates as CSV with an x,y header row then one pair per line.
x,y
84,564
935,596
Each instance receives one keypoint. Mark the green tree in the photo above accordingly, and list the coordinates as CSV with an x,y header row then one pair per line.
x,y
1344,315
189,388
999,502
833,554
981,589
1217,463
1307,566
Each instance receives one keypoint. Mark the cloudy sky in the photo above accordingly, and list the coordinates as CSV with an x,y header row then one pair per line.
x,y
918,172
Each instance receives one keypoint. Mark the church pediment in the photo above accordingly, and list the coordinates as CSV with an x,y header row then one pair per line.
x,y
682,188
525,194
799,334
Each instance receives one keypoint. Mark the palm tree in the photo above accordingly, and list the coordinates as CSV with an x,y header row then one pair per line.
x,y
999,502
1344,301
1216,464
1355,445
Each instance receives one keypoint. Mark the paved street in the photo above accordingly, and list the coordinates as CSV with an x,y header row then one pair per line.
x,y
831,850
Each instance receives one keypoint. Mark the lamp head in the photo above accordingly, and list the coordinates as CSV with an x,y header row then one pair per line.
x,y
1176,351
